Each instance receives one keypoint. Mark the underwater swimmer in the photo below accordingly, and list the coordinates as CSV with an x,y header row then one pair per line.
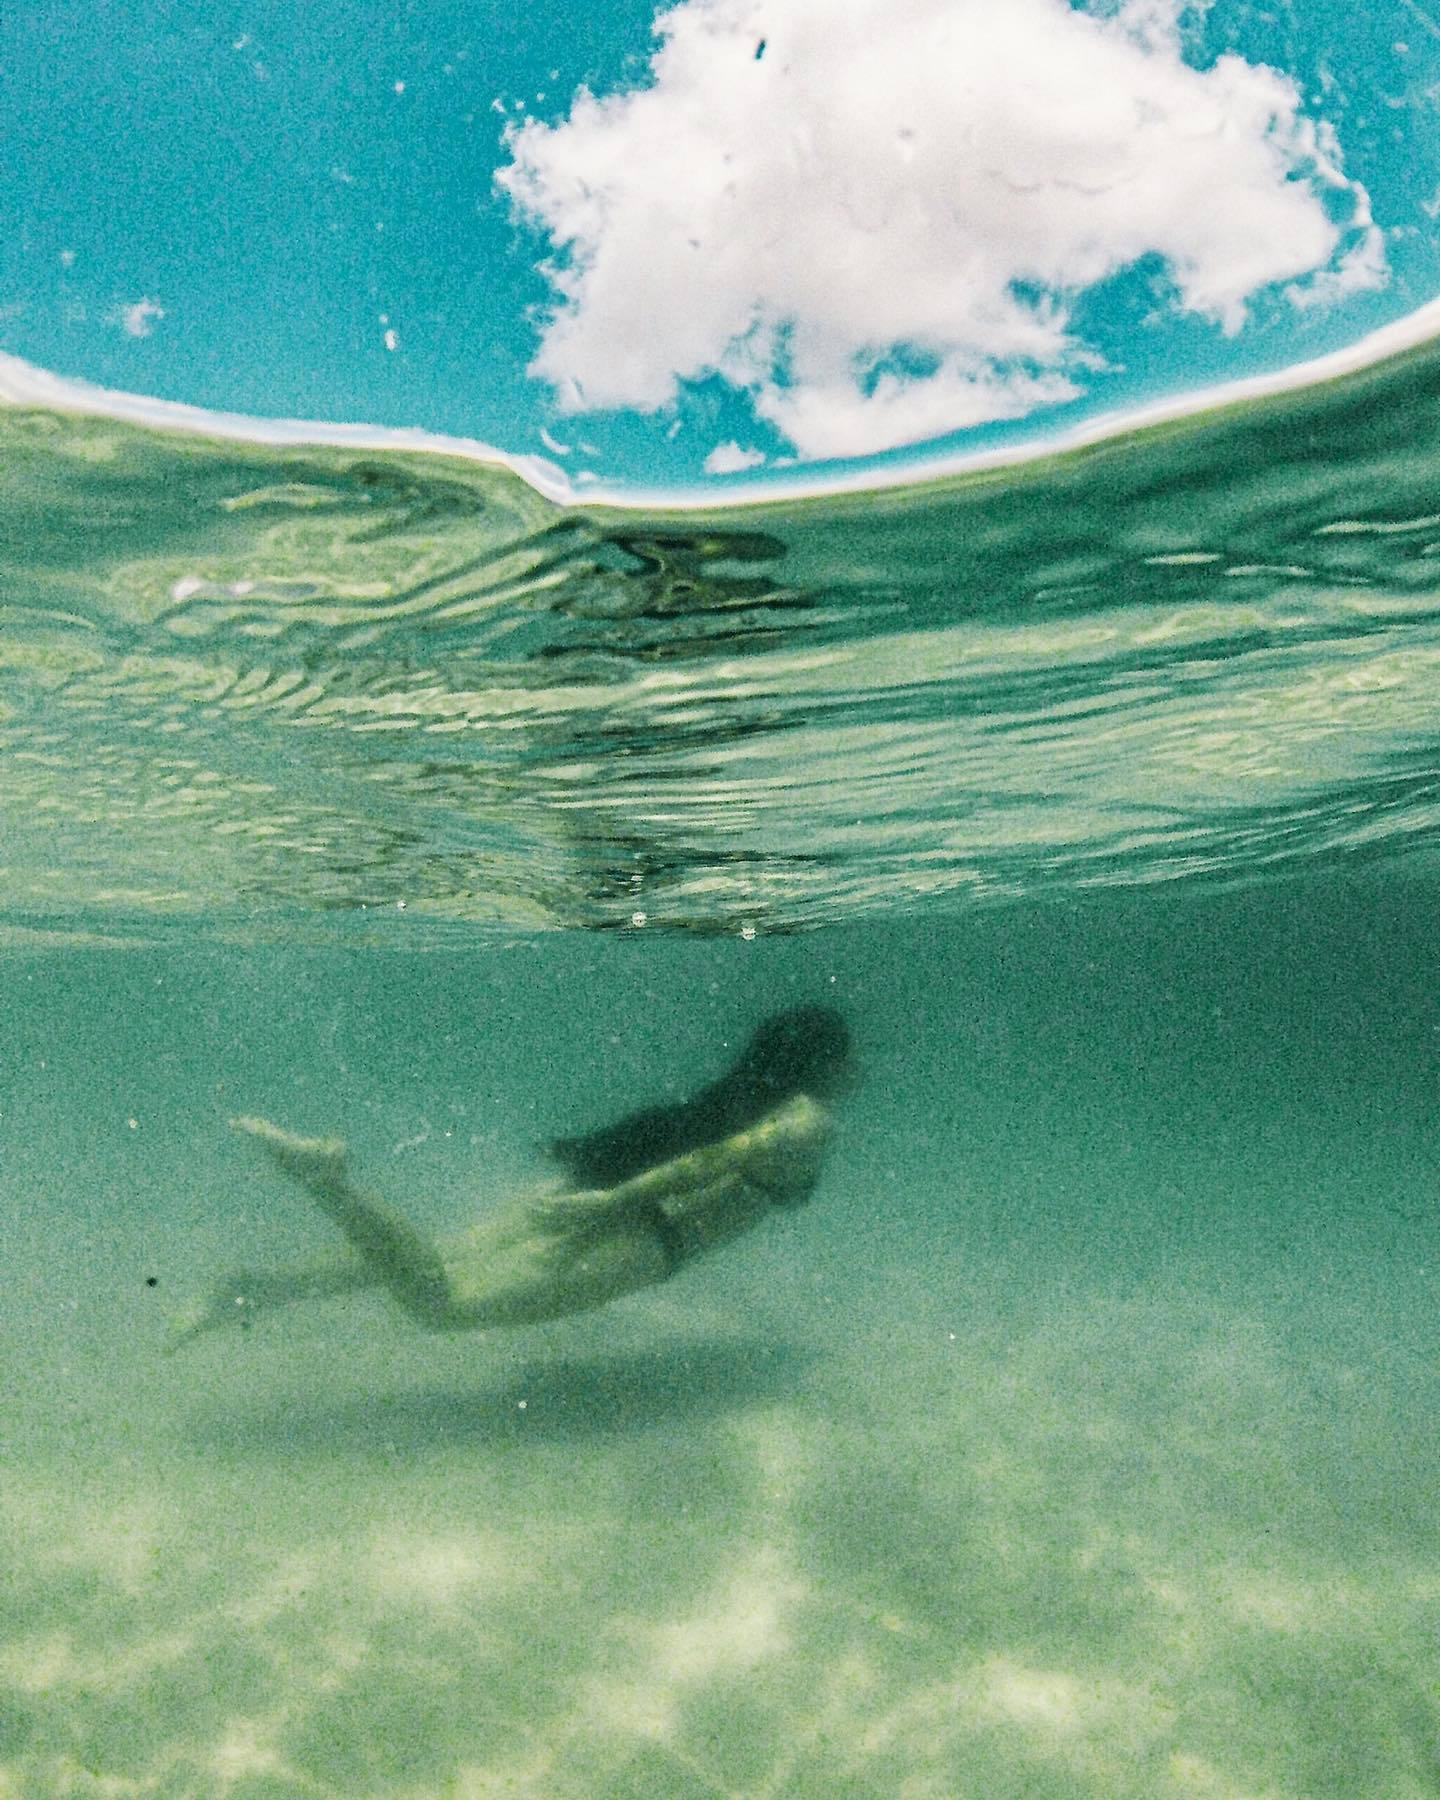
x,y
640,1199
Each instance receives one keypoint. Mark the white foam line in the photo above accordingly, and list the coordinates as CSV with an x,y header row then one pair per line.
x,y
22,384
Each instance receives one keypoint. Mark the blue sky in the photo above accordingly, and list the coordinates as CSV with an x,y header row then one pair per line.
x,y
803,231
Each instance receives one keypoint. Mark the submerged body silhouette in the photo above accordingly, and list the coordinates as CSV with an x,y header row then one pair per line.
x,y
656,1190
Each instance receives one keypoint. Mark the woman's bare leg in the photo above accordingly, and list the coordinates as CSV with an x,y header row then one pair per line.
x,y
398,1257
239,1297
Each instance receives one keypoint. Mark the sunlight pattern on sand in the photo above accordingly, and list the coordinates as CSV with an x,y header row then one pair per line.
x,y
862,1596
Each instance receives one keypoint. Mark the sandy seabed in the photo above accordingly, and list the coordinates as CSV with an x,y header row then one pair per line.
x,y
1115,1546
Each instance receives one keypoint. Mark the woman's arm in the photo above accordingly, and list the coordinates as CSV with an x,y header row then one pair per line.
x,y
780,1154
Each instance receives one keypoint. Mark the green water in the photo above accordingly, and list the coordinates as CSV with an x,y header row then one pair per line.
x,y
280,692
1077,1439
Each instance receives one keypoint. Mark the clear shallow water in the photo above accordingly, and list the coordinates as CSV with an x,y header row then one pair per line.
x,y
265,691
1077,1439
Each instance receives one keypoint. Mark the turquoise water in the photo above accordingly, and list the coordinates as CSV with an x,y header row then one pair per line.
x,y
1076,1439
397,697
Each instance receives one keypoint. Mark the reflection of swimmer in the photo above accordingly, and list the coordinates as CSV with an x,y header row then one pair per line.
x,y
643,1197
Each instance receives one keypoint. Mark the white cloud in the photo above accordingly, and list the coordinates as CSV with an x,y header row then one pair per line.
x,y
731,458
138,319
878,228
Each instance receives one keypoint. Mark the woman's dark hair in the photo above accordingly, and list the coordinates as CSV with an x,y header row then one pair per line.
x,y
803,1051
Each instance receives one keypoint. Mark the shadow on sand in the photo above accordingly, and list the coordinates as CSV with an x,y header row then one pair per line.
x,y
549,1399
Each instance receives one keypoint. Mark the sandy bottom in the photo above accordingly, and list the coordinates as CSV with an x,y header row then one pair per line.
x,y
1135,1546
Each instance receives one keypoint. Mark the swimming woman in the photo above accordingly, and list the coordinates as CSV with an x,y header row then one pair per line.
x,y
639,1200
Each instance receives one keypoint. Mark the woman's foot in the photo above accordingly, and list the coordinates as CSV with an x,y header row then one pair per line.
x,y
225,1306
307,1159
